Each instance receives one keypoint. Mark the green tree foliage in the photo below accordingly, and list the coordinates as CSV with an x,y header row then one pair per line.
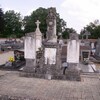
x,y
41,15
29,21
93,28
13,24
67,31
1,21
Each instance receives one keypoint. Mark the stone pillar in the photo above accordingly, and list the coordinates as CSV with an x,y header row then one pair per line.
x,y
30,54
73,72
51,25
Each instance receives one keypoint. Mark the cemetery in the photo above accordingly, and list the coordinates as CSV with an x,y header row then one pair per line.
x,y
50,68
44,59
51,58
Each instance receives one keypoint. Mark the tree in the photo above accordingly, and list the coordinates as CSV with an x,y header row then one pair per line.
x,y
67,31
13,24
41,15
29,21
1,21
93,28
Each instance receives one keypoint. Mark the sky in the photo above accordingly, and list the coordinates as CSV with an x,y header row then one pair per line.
x,y
77,13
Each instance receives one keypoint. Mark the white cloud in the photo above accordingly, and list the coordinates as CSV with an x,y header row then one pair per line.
x,y
81,12
7,8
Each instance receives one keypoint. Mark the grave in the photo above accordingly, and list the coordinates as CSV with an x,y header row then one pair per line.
x,y
73,47
85,53
51,47
43,58
30,52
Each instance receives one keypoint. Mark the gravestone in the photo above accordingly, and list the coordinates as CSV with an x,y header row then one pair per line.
x,y
73,47
30,52
51,47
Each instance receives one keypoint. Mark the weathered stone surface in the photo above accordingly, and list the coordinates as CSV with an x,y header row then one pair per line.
x,y
22,88
30,66
73,48
51,25
30,47
73,52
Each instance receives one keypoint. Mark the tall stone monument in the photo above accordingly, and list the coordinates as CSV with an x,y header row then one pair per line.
x,y
33,41
51,25
38,36
51,47
51,43
73,72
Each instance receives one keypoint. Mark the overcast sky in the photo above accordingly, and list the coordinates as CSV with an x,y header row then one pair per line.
x,y
77,13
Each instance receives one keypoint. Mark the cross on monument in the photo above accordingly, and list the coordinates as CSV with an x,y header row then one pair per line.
x,y
87,34
37,23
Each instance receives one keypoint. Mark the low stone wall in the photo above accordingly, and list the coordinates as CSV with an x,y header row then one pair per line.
x,y
69,76
26,74
7,97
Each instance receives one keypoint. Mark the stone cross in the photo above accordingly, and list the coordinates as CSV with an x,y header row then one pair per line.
x,y
37,23
87,34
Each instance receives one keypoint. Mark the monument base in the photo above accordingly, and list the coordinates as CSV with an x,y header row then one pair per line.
x,y
73,75
30,66
69,76
73,72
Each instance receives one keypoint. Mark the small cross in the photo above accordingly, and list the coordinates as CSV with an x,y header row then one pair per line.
x,y
87,34
37,23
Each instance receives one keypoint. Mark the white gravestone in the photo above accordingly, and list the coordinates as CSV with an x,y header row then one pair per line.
x,y
30,48
73,51
38,36
50,55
